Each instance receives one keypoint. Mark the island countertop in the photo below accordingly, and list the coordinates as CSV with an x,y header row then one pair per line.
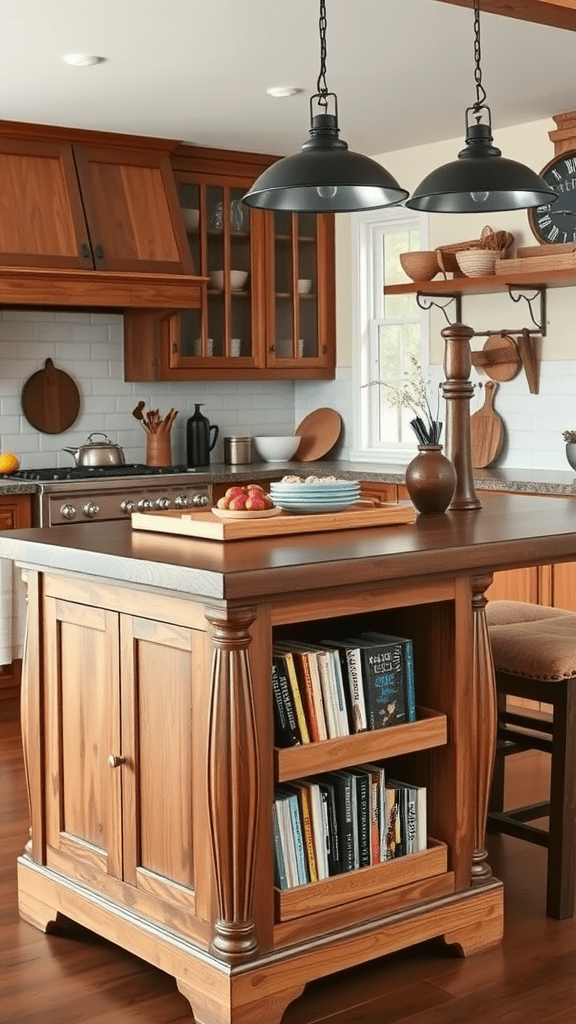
x,y
508,531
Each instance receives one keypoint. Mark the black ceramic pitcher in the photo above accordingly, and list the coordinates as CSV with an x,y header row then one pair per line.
x,y
200,439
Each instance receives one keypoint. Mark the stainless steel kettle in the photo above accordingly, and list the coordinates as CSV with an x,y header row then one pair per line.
x,y
97,453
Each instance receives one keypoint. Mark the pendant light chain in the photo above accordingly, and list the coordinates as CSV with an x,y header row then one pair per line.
x,y
480,91
321,85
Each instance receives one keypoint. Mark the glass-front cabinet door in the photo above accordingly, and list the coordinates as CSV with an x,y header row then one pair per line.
x,y
300,310
229,329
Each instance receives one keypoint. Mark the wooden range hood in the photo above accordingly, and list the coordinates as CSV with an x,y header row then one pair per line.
x,y
556,13
91,220
84,289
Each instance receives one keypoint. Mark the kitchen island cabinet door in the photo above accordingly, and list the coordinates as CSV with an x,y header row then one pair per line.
x,y
42,222
119,716
82,700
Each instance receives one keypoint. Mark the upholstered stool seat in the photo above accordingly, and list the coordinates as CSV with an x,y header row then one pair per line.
x,y
534,650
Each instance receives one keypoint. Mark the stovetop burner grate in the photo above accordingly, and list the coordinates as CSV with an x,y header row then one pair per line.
x,y
94,472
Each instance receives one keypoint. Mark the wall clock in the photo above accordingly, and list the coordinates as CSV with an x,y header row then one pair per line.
x,y
555,223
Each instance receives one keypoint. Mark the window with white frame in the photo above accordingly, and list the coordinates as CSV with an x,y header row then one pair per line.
x,y
392,331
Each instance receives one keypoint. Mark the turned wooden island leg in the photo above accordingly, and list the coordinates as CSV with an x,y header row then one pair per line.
x,y
457,390
485,715
233,786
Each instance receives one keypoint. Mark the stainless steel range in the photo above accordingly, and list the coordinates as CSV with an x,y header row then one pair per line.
x,y
82,494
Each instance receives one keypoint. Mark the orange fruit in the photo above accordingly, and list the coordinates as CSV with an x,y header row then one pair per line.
x,y
8,463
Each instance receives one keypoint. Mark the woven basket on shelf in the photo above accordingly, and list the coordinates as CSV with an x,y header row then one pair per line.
x,y
477,262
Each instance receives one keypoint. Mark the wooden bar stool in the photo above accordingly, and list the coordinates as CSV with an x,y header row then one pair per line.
x,y
534,650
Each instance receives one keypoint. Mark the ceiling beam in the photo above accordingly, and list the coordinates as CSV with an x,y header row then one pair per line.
x,y
556,13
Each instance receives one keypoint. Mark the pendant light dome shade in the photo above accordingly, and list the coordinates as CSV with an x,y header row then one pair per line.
x,y
325,176
480,180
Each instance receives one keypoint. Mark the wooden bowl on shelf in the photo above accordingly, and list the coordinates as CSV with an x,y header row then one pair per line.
x,y
420,265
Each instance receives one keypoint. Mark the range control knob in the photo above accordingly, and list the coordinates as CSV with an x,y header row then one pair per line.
x,y
182,501
200,500
163,503
145,504
68,511
91,510
127,506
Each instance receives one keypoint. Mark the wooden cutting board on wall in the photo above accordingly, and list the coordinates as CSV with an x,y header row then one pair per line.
x,y
486,430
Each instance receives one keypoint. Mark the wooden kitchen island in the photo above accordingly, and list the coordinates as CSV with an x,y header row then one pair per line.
x,y
148,741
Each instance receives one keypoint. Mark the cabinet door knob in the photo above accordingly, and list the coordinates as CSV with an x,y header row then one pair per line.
x,y
115,760
272,348
99,252
85,251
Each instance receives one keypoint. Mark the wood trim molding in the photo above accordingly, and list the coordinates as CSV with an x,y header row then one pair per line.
x,y
556,13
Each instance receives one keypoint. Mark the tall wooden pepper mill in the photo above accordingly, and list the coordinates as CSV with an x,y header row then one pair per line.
x,y
457,389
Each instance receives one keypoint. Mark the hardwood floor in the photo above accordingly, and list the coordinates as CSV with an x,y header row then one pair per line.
x,y
77,978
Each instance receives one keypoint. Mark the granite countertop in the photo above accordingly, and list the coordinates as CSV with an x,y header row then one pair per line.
x,y
17,487
529,481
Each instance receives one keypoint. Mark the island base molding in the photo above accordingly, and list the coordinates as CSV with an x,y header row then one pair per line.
x,y
259,992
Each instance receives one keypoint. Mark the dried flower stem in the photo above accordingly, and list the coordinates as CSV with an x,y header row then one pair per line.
x,y
413,395
569,436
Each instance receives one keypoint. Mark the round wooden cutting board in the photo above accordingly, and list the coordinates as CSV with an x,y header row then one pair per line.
x,y
507,369
50,400
319,432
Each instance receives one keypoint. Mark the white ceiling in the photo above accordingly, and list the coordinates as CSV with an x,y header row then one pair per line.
x,y
198,70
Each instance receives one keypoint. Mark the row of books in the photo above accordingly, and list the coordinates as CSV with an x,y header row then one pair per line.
x,y
340,687
342,820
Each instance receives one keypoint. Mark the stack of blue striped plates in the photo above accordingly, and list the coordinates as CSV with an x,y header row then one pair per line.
x,y
316,496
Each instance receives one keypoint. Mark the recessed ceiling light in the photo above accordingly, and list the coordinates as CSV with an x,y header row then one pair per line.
x,y
282,91
82,60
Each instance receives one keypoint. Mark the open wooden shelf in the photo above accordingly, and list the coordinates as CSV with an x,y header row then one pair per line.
x,y
355,885
430,730
564,278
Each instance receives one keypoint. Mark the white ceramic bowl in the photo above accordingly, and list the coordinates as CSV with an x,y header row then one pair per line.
x,y
238,279
190,218
304,286
276,449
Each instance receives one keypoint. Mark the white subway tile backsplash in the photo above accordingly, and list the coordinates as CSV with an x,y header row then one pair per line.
x,y
88,346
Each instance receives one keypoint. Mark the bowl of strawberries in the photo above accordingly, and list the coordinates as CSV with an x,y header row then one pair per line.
x,y
247,502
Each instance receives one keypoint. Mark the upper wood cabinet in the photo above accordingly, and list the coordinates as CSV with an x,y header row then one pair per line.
x,y
131,208
259,325
88,202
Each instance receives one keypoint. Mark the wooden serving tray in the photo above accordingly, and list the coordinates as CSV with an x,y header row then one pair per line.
x,y
206,524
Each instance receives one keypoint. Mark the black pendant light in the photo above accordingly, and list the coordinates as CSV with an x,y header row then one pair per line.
x,y
325,176
481,179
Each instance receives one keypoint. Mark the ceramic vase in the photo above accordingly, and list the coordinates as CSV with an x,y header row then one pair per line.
x,y
201,437
430,479
571,453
